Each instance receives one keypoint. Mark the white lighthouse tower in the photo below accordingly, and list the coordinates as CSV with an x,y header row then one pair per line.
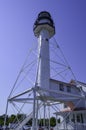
x,y
48,91
63,92
43,29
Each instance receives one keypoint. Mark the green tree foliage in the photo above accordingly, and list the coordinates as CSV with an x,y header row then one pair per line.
x,y
21,116
2,117
52,121
14,118
1,121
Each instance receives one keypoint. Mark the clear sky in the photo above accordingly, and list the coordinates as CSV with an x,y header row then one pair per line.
x,y
16,36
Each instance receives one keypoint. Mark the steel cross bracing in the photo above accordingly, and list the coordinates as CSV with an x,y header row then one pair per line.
x,y
48,100
52,100
45,80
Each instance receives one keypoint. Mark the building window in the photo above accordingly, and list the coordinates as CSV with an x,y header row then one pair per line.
x,y
73,118
46,39
80,118
68,89
61,87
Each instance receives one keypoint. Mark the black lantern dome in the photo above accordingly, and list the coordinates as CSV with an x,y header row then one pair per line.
x,y
44,21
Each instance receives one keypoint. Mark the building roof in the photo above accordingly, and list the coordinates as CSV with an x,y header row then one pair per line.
x,y
67,110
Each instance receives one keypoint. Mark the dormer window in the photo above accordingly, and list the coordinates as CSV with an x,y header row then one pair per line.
x,y
61,87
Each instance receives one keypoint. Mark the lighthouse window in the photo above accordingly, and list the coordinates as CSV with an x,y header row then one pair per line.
x,y
61,87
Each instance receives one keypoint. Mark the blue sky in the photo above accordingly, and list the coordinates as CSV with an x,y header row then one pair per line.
x,y
16,36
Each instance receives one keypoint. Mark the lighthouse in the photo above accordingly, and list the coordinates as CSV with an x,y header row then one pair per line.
x,y
49,96
43,29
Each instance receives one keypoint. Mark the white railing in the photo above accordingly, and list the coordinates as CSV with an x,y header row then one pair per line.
x,y
71,126
22,123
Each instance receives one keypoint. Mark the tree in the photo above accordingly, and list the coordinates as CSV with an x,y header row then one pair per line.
x,y
52,121
12,118
1,121
21,116
2,117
